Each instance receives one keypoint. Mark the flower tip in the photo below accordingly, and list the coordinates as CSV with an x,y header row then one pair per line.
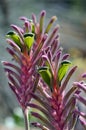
x,y
75,67
43,13
34,18
56,29
3,62
65,56
14,26
27,24
84,75
54,18
23,18
75,83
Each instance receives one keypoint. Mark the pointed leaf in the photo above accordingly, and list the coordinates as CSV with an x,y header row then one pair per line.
x,y
63,69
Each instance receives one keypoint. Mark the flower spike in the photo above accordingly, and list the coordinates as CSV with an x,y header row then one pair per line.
x,y
40,71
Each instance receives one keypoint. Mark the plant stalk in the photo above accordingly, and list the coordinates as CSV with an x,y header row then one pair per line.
x,y
27,124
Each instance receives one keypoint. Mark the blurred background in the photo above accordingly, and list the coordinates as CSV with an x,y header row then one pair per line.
x,y
72,20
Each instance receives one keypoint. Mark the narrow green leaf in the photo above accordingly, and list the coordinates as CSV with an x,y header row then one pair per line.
x,y
45,74
32,27
63,69
29,39
15,37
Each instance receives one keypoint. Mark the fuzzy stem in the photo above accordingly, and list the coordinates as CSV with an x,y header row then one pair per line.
x,y
25,112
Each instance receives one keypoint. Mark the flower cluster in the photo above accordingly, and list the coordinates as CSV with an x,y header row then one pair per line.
x,y
41,70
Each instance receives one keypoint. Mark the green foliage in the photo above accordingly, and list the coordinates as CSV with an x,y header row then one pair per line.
x,y
33,28
45,74
29,40
63,69
15,37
